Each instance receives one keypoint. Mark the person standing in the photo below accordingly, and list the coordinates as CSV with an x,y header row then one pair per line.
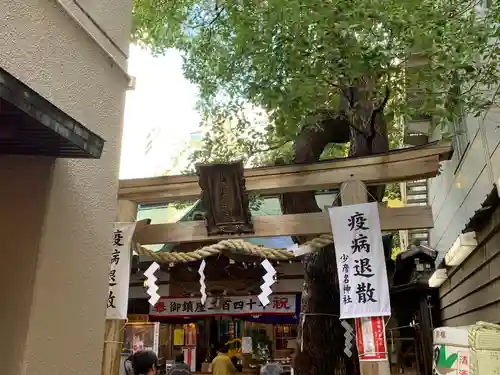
x,y
222,364
180,367
144,362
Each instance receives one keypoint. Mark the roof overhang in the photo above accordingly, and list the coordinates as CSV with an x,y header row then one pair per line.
x,y
31,125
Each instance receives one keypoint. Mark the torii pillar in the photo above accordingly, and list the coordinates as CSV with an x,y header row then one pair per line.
x,y
114,328
355,192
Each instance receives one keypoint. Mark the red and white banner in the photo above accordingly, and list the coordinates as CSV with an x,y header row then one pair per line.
x,y
171,307
370,339
190,357
190,336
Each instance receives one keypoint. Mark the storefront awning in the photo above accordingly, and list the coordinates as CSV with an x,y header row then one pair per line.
x,y
31,125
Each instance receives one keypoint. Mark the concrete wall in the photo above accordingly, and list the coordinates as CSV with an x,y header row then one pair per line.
x,y
464,182
19,249
56,214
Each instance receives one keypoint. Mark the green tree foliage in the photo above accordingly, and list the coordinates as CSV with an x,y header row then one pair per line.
x,y
292,59
272,71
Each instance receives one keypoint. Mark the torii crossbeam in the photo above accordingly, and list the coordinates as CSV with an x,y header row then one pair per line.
x,y
400,165
409,164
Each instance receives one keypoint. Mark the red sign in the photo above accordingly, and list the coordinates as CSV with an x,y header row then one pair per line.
x,y
463,363
190,336
281,304
370,339
190,357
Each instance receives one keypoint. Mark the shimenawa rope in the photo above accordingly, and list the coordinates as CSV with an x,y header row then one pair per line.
x,y
232,246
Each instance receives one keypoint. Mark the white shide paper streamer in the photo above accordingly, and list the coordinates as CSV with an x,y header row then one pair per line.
x,y
348,337
299,250
203,286
269,279
151,283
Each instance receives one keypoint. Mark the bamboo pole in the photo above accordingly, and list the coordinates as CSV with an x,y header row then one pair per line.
x,y
113,335
354,192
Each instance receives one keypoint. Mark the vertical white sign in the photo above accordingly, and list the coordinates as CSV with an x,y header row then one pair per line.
x,y
364,291
246,345
119,271
156,337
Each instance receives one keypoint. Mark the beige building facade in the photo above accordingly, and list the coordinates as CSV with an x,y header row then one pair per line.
x,y
56,213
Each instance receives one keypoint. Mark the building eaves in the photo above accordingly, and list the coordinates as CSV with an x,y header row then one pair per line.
x,y
31,125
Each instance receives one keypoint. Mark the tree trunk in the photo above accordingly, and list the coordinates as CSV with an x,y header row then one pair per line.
x,y
321,337
369,135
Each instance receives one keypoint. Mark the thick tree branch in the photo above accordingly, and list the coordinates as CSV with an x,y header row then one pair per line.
x,y
272,148
348,94
382,105
358,129
373,119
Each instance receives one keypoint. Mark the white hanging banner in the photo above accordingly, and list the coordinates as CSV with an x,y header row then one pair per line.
x,y
364,291
246,345
119,272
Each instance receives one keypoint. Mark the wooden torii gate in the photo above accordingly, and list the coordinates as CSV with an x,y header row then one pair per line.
x,y
395,166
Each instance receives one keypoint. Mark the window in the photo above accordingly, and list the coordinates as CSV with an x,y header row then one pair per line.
x,y
284,333
150,138
195,136
460,139
458,126
147,148
482,6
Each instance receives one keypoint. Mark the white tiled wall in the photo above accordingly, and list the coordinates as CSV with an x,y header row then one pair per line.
x,y
463,184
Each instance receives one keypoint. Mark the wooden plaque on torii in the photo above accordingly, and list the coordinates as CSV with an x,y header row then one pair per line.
x,y
224,198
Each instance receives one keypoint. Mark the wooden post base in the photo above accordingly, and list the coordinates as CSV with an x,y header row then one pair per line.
x,y
374,368
113,343
113,334
371,334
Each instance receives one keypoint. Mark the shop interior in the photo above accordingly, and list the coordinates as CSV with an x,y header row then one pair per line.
x,y
207,335
200,339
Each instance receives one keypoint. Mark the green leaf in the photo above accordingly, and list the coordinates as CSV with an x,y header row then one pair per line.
x,y
290,59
